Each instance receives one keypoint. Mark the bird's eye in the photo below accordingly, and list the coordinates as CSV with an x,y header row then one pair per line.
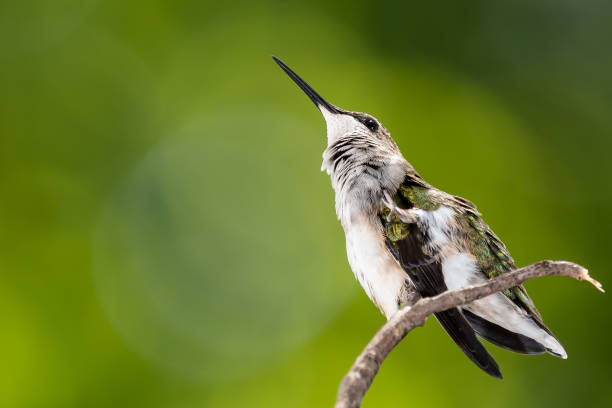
x,y
371,124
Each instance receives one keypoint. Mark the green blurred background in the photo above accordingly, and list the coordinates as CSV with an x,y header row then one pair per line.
x,y
167,239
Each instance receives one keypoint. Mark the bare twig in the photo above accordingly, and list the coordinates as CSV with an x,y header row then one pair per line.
x,y
356,383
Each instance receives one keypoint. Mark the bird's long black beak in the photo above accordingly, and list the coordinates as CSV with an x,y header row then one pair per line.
x,y
312,94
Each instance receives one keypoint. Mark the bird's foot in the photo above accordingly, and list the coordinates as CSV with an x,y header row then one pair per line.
x,y
408,216
390,204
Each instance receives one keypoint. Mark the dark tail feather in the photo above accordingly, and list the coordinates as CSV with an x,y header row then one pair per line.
x,y
463,334
503,337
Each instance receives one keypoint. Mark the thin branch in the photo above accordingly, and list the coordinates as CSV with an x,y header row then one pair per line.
x,y
358,380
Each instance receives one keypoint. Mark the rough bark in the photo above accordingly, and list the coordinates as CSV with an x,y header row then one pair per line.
x,y
358,380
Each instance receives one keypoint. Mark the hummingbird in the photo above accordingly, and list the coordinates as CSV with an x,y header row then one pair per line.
x,y
405,235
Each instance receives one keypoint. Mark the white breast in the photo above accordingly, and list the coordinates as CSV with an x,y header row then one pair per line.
x,y
373,265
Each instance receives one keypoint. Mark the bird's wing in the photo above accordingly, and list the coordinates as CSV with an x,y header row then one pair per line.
x,y
492,255
405,241
494,260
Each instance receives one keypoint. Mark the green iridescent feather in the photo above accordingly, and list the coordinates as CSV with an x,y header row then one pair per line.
x,y
395,230
489,251
420,197
492,255
409,195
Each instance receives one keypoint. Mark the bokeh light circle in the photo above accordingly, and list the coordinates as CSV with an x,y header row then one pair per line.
x,y
211,258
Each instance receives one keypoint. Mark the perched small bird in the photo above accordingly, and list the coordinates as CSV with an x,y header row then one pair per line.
x,y
403,234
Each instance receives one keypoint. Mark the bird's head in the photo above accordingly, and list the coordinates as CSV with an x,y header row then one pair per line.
x,y
340,123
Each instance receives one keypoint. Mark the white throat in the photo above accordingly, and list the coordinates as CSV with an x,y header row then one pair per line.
x,y
338,125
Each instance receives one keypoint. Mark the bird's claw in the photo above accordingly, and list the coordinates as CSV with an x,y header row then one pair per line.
x,y
405,215
388,202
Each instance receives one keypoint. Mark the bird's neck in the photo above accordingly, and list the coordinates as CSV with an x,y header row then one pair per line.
x,y
360,172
